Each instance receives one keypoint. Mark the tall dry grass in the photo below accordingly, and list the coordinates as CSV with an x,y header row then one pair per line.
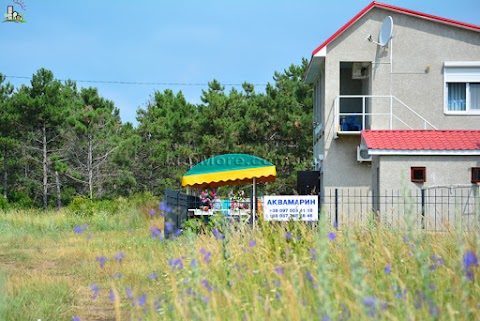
x,y
55,266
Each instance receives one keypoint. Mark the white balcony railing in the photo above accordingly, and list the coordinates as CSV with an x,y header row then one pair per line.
x,y
374,112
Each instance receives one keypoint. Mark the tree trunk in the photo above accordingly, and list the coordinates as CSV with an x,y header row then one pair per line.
x,y
45,167
59,197
5,170
90,166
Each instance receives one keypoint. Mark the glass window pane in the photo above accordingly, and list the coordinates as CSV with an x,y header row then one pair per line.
x,y
457,98
475,96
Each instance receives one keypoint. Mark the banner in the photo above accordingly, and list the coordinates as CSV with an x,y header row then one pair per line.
x,y
290,207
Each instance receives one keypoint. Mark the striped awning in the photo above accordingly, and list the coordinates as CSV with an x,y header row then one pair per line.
x,y
229,169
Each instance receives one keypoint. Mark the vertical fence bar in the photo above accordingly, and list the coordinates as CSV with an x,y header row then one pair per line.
x,y
336,208
423,209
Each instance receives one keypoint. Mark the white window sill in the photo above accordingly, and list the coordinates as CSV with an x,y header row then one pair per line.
x,y
462,113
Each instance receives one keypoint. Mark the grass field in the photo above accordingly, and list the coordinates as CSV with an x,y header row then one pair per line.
x,y
58,266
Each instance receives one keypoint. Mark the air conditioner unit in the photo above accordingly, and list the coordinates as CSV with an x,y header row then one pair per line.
x,y
359,70
362,155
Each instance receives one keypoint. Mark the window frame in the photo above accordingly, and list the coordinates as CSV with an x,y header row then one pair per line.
x,y
475,170
418,168
465,72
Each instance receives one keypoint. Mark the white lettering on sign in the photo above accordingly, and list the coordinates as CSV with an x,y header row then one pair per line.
x,y
290,207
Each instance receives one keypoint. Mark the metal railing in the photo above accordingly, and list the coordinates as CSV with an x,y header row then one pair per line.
x,y
431,209
354,122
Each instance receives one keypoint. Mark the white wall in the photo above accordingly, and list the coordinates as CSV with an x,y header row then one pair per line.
x,y
420,48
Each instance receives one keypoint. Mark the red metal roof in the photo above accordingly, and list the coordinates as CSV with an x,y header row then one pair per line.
x,y
375,4
433,140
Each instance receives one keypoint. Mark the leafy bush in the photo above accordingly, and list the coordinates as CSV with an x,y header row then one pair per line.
x,y
3,203
81,206
20,200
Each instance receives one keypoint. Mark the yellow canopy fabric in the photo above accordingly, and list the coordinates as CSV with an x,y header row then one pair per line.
x,y
229,169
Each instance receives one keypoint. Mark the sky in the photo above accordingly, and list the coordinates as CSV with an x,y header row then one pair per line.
x,y
177,44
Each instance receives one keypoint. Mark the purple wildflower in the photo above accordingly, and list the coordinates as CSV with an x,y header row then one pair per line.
x,y
128,290
332,236
75,318
218,235
95,289
437,261
142,300
78,230
117,276
207,257
153,212
469,261
370,301
153,276
89,237
252,243
308,276
176,264
279,270
405,239
288,236
388,269
169,227
177,232
278,295
194,263
314,255
101,260
401,294
119,257
162,206
112,295
205,284
155,232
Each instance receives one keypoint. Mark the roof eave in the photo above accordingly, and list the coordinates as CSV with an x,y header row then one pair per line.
x,y
313,69
396,152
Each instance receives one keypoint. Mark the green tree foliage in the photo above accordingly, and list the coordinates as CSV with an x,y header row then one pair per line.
x,y
8,137
95,125
43,108
166,141
57,141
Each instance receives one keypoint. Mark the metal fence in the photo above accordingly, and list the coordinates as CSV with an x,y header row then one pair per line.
x,y
179,203
433,209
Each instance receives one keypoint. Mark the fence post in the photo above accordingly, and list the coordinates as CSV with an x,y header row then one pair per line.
x,y
423,208
336,208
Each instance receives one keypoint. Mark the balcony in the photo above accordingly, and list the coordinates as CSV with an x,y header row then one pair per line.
x,y
353,113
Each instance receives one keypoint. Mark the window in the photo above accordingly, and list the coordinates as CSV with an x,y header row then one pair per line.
x,y
462,87
475,174
418,174
464,97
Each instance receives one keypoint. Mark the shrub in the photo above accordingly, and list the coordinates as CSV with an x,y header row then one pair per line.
x,y
81,206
